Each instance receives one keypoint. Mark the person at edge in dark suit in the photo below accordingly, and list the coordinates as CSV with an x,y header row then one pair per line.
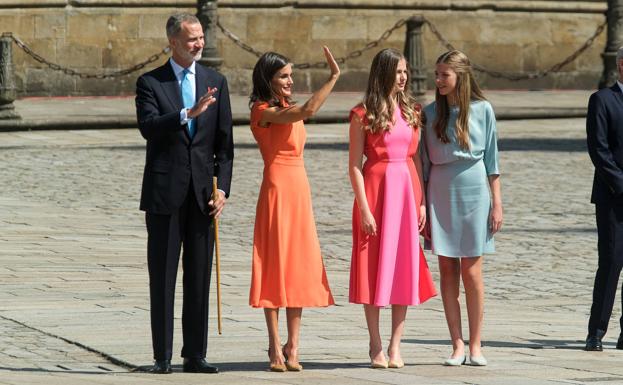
x,y
604,131
184,113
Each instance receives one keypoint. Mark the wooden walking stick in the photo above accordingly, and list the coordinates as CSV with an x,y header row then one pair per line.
x,y
218,262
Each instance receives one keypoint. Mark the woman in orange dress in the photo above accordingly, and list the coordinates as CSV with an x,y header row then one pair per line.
x,y
287,265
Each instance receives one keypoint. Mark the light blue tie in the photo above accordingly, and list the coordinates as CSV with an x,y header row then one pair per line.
x,y
189,100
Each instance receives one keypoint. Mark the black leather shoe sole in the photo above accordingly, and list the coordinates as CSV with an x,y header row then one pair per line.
x,y
161,367
199,367
593,344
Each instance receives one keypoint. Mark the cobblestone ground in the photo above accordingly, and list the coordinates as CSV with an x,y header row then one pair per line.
x,y
72,265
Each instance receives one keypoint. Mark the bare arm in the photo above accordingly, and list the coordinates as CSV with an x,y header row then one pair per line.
x,y
355,157
418,167
295,113
495,218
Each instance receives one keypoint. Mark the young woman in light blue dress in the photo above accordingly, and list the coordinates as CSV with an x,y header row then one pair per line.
x,y
463,194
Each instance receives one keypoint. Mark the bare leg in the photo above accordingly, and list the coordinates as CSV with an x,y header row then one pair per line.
x,y
376,346
449,272
471,270
290,349
274,342
399,314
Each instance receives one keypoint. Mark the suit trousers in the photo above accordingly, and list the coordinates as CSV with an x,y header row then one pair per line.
x,y
166,234
610,248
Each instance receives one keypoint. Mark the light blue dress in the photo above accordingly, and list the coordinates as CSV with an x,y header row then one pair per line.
x,y
458,196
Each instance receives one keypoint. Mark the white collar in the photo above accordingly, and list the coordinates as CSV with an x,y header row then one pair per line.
x,y
177,69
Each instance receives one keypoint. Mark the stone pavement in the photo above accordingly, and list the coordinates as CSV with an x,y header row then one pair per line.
x,y
73,278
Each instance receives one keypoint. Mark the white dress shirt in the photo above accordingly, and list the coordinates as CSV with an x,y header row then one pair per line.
x,y
178,70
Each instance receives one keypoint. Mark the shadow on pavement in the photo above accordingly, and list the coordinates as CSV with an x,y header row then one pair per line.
x,y
69,371
529,344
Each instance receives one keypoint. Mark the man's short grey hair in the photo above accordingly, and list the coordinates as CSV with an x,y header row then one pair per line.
x,y
620,54
174,24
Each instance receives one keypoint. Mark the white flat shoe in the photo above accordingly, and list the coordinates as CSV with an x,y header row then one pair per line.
x,y
455,361
477,361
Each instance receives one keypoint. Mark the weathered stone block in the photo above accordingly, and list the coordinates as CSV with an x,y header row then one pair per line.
x,y
456,30
591,59
20,24
280,25
350,80
337,27
238,80
50,26
116,54
101,27
235,22
365,60
573,32
234,57
80,56
153,26
378,24
41,82
497,57
125,85
509,29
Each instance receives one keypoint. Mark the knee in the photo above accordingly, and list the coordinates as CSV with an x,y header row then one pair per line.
x,y
449,267
471,275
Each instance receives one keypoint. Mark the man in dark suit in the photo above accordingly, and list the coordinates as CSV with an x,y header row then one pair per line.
x,y
184,113
604,129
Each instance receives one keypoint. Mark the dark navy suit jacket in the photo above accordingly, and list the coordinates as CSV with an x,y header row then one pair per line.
x,y
172,157
604,132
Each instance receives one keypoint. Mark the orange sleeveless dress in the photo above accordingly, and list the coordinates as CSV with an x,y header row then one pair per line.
x,y
287,266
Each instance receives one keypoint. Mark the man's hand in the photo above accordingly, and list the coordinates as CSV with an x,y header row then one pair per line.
x,y
217,203
203,103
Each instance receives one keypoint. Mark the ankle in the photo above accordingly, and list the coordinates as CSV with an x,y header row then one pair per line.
x,y
393,352
475,351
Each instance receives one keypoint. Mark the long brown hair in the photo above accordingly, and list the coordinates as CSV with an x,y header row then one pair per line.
x,y
466,90
377,103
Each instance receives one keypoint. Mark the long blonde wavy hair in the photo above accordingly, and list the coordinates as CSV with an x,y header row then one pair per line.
x,y
466,90
377,99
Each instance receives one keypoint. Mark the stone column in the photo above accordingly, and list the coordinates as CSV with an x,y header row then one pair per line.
x,y
614,16
208,15
415,56
7,82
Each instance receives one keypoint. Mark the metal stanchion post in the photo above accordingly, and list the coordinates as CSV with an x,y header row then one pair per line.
x,y
614,16
415,56
207,12
7,82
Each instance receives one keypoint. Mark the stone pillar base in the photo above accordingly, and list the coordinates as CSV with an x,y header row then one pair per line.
x,y
7,111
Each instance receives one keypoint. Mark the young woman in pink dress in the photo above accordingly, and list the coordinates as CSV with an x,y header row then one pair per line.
x,y
388,266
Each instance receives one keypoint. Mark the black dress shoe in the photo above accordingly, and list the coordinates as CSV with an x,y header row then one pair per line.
x,y
161,367
198,365
593,344
620,342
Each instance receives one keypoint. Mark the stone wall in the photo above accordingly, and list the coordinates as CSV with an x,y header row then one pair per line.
x,y
97,36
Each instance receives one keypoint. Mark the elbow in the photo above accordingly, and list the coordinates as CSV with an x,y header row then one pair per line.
x,y
308,110
147,129
354,172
